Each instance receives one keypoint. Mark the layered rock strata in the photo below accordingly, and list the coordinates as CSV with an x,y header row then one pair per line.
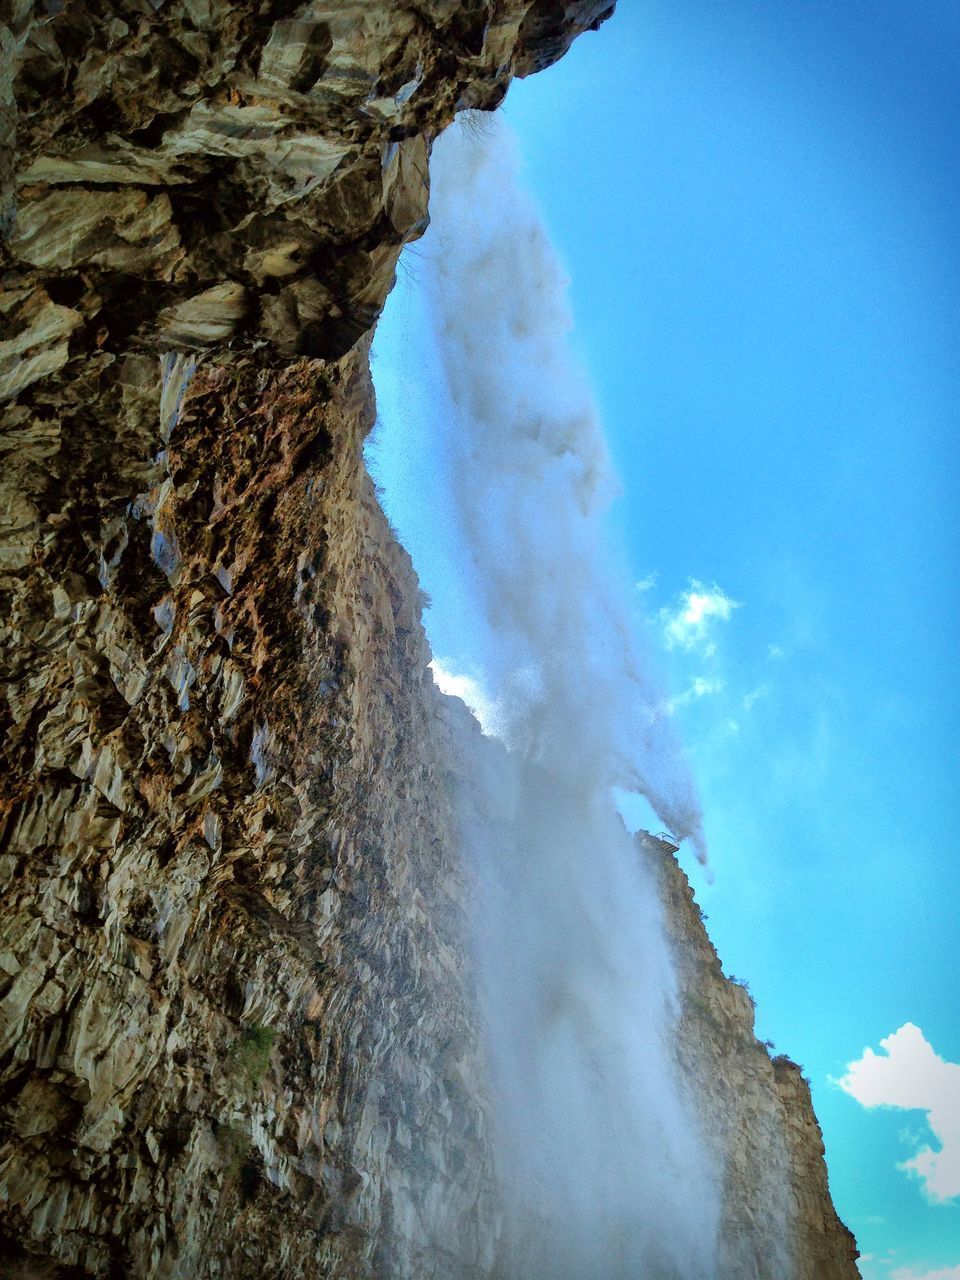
x,y
234,1029
235,1039
236,1035
756,1113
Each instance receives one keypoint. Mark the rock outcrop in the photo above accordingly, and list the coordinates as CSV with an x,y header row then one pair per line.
x,y
778,1220
236,1034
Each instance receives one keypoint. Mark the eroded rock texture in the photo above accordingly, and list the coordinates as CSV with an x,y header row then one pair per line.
x,y
235,1032
198,172
236,1037
778,1220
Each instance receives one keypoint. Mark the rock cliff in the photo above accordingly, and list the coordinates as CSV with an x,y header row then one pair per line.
x,y
237,1035
778,1218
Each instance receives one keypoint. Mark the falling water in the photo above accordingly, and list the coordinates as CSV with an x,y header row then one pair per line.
x,y
497,476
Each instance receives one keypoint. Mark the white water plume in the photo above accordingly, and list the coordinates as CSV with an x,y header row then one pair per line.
x,y
498,485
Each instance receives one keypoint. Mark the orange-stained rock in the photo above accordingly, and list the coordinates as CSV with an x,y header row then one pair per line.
x,y
237,1037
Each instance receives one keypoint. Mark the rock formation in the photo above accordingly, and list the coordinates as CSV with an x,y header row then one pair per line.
x,y
778,1217
236,1031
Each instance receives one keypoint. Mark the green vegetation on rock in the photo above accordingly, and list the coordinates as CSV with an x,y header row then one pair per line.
x,y
251,1053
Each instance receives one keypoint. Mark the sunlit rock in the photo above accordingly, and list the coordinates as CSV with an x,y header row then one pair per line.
x,y
237,1028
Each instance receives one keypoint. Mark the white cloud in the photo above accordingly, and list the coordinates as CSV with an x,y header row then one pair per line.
x,y
700,688
647,583
486,709
687,625
754,696
943,1273
910,1075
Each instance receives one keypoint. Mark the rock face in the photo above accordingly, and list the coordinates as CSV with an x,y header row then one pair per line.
x,y
194,173
236,1035
778,1222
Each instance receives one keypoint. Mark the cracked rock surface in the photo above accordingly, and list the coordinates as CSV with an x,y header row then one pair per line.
x,y
237,1037
235,1034
777,1217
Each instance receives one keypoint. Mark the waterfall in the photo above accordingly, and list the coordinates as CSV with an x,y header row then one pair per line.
x,y
497,476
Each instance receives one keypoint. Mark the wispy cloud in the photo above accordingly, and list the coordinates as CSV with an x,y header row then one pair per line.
x,y
688,624
647,583
754,696
486,709
701,687
909,1074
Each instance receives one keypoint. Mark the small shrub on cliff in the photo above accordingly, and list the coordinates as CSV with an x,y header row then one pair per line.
x,y
744,985
251,1053
784,1060
476,124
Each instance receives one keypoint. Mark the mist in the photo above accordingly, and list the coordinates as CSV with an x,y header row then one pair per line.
x,y
497,476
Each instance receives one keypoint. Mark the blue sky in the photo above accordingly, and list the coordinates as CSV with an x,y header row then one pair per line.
x,y
756,205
